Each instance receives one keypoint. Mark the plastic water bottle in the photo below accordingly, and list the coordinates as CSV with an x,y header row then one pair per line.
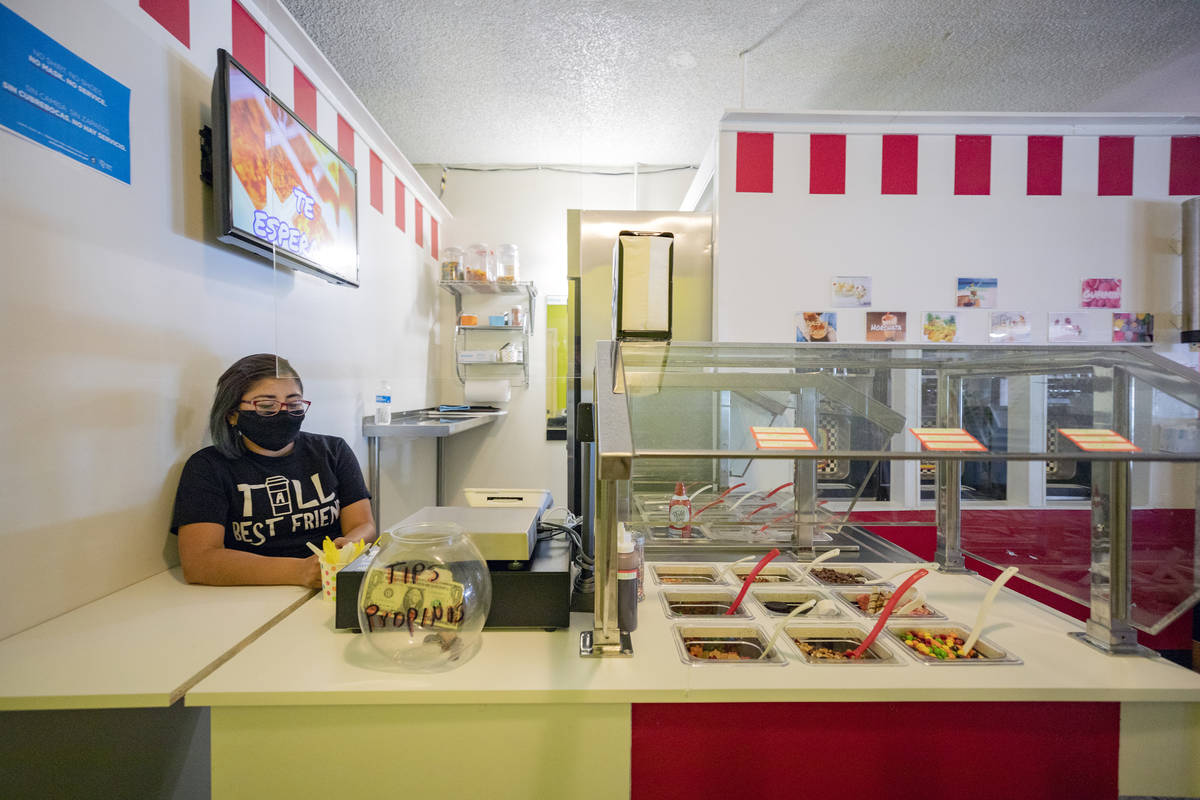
x,y
383,404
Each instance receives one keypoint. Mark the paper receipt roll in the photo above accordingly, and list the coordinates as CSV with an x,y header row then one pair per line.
x,y
482,392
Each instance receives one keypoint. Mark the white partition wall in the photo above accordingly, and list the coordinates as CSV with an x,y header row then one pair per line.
x,y
915,202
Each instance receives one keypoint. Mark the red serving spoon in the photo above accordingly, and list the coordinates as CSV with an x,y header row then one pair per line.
x,y
750,579
887,612
718,500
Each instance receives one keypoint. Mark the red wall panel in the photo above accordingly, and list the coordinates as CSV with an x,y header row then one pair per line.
x,y
755,162
249,43
973,165
1115,168
304,98
827,163
400,221
899,174
174,15
1043,174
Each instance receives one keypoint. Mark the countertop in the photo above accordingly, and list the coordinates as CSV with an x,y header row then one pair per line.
x,y
329,667
142,646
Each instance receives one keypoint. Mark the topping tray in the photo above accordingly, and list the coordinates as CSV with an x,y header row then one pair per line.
x,y
828,645
778,601
841,576
869,601
932,644
686,603
725,644
686,574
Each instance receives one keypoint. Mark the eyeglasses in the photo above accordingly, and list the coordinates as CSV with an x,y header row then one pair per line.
x,y
269,408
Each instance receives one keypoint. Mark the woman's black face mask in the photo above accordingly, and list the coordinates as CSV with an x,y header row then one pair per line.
x,y
270,433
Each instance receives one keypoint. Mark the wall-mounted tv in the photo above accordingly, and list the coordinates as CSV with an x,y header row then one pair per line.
x,y
278,189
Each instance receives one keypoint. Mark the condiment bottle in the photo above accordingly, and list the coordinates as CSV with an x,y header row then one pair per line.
x,y
627,597
679,512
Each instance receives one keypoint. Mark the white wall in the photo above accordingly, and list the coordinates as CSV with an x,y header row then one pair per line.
x,y
777,252
529,209
120,310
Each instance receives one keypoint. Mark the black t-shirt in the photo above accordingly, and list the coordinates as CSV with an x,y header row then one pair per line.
x,y
272,505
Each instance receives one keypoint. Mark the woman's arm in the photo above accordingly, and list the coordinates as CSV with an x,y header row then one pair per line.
x,y
357,523
205,559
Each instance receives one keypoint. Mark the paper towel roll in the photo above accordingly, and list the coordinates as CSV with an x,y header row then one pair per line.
x,y
481,392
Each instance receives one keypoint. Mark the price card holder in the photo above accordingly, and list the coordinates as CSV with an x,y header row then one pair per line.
x,y
955,439
1099,440
769,438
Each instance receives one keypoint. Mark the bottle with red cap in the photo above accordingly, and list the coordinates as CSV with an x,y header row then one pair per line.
x,y
679,512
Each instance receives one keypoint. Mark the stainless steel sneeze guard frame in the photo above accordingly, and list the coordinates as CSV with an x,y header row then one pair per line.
x,y
644,388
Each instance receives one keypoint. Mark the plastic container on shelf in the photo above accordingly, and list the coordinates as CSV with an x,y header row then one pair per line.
x,y
480,263
507,263
452,263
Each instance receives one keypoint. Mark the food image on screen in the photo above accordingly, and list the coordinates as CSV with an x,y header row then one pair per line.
x,y
287,188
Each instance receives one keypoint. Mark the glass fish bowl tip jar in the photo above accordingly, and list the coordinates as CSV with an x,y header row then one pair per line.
x,y
425,596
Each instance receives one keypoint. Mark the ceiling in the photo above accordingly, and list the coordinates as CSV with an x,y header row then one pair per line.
x,y
619,82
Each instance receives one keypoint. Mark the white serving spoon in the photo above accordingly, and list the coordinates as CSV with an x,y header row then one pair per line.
x,y
985,607
800,609
696,493
743,499
828,554
910,568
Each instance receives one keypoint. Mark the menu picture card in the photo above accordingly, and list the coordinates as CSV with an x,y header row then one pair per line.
x,y
939,327
816,326
976,293
1100,293
887,326
1065,326
851,291
1133,328
1009,327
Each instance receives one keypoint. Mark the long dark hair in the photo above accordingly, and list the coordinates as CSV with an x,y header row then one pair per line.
x,y
234,383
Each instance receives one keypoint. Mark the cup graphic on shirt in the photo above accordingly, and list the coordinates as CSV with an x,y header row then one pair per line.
x,y
280,495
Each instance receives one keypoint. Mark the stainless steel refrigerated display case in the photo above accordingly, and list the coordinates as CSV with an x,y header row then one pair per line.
x,y
1127,552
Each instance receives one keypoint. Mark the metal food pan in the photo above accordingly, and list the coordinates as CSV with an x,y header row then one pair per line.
x,y
771,573
860,574
687,574
989,651
748,641
663,533
839,638
849,597
732,532
692,603
793,594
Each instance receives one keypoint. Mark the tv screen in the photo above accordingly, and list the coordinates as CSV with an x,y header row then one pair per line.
x,y
279,189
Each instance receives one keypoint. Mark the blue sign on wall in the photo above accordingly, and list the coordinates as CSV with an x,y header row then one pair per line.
x,y
53,97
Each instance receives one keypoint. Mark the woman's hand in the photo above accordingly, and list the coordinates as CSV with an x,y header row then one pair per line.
x,y
309,572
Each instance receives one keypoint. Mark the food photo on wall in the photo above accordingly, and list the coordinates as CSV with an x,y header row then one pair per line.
x,y
1066,326
816,326
1009,327
976,293
851,291
939,327
887,326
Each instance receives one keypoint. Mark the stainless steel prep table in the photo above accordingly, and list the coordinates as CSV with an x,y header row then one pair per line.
x,y
420,424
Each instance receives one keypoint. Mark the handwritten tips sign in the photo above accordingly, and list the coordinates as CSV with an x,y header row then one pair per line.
x,y
53,97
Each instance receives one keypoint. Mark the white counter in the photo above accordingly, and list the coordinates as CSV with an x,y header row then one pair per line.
x,y
142,646
328,667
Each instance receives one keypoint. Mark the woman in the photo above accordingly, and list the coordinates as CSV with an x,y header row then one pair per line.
x,y
248,505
